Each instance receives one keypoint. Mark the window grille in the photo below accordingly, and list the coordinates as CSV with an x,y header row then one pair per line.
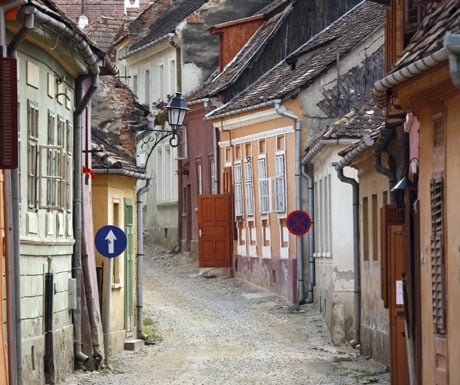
x,y
438,257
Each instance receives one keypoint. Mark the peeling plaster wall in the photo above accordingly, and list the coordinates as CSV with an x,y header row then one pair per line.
x,y
322,102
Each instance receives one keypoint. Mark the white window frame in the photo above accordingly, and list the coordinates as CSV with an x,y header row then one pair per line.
x,y
147,86
280,183
264,186
249,187
166,174
238,189
53,170
32,153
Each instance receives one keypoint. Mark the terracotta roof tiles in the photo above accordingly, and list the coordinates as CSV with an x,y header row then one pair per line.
x,y
429,38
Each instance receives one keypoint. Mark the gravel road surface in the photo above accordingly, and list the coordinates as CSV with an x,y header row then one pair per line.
x,y
215,330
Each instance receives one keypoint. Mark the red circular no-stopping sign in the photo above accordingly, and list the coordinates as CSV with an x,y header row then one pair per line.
x,y
298,222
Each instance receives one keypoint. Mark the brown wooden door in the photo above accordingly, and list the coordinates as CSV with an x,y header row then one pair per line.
x,y
399,364
214,230
392,270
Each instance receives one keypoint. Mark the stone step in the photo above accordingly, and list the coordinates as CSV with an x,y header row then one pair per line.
x,y
134,344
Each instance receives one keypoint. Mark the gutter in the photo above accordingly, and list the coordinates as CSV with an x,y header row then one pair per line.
x,y
365,143
119,171
450,51
300,267
240,110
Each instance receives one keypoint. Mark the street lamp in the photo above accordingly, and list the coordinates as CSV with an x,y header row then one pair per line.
x,y
177,108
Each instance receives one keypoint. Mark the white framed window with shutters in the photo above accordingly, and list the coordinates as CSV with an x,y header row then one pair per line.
x,y
264,186
279,184
52,166
69,151
32,154
238,189
249,187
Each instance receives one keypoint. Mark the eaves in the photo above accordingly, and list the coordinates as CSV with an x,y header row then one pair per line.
x,y
150,44
155,48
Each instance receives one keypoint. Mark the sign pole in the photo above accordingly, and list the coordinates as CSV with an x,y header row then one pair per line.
x,y
108,296
110,242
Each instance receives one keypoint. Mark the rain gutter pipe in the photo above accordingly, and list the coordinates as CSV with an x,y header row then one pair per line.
x,y
12,222
300,268
365,143
140,255
81,102
452,44
315,150
380,145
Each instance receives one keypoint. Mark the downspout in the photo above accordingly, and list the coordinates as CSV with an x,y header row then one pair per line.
x,y
300,269
311,238
140,256
316,149
452,43
12,220
80,357
380,146
366,142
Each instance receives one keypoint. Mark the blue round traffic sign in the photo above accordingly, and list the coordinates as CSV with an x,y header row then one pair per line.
x,y
110,241
298,222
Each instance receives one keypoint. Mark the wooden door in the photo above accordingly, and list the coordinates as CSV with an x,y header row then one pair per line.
x,y
398,359
392,271
214,230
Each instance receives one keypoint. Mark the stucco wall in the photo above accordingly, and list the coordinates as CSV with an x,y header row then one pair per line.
x,y
374,317
109,194
333,254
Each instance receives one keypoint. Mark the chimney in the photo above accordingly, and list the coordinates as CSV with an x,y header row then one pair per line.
x,y
132,8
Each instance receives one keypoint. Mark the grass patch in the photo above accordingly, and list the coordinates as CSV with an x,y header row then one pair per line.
x,y
343,359
151,332
371,377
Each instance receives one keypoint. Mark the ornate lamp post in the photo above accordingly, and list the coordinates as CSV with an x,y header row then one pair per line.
x,y
177,109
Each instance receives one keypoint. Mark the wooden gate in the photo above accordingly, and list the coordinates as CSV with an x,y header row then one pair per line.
x,y
214,230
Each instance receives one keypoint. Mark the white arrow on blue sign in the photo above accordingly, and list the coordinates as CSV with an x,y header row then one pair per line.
x,y
110,241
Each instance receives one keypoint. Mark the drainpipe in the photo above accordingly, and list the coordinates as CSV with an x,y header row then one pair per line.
x,y
315,150
300,269
382,142
140,256
12,222
366,142
452,43
311,238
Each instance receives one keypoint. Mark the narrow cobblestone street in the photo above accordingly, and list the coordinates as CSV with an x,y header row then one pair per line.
x,y
215,330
